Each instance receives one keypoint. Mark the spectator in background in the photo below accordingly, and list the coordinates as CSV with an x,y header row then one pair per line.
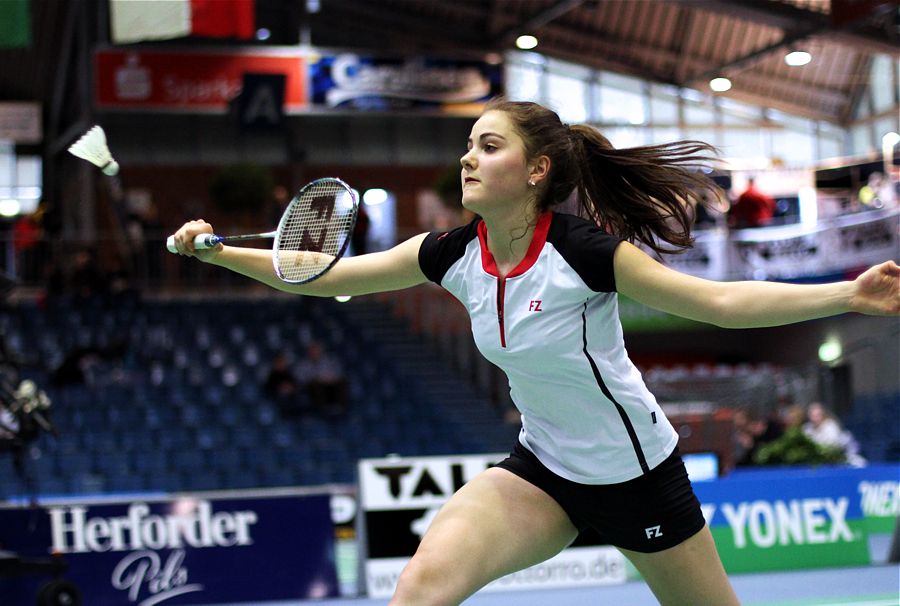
x,y
82,282
323,378
28,233
877,193
824,429
753,208
359,239
281,197
282,387
753,431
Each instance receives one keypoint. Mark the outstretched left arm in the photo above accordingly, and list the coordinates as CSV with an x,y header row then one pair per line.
x,y
752,304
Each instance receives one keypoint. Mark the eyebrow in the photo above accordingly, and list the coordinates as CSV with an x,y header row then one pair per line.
x,y
485,136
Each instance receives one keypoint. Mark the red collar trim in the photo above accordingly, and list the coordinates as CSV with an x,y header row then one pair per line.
x,y
534,249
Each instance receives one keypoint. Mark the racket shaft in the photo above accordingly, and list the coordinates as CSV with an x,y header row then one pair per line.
x,y
211,240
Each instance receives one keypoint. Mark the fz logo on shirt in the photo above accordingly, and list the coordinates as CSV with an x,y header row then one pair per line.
x,y
653,532
535,305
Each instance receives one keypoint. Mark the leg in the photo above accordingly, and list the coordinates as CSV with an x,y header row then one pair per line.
x,y
689,574
494,525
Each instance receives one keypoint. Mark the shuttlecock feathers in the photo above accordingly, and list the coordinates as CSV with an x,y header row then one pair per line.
x,y
92,147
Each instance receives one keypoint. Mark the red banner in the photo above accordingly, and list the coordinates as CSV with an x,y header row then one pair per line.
x,y
188,81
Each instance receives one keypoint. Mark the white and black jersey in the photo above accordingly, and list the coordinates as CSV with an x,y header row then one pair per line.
x,y
552,325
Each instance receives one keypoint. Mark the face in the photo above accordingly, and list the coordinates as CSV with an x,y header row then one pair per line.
x,y
495,171
816,413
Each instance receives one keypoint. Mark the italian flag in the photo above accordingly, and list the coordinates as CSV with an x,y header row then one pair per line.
x,y
138,20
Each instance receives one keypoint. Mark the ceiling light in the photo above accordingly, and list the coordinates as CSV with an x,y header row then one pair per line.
x,y
374,197
890,139
9,207
830,350
720,85
526,42
797,58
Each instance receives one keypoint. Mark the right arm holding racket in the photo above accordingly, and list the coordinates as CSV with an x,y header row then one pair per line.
x,y
306,257
393,269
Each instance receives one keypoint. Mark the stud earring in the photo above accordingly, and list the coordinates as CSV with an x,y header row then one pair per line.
x,y
531,182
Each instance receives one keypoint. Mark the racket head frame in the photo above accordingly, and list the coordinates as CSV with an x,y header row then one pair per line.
x,y
287,215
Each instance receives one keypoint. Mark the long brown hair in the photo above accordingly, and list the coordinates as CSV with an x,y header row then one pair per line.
x,y
646,194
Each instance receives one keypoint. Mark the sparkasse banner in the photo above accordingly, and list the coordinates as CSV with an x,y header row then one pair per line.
x,y
399,498
191,81
189,549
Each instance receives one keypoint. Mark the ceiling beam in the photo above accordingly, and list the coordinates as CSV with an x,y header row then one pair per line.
x,y
752,57
854,28
592,44
538,21
685,24
773,14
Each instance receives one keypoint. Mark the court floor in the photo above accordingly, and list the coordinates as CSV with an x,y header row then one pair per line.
x,y
863,586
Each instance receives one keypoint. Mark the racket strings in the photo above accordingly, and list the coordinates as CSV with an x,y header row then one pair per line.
x,y
314,230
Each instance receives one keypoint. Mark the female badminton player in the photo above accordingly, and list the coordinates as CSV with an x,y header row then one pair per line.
x,y
595,449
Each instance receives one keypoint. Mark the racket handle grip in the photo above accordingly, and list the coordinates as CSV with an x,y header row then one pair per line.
x,y
201,242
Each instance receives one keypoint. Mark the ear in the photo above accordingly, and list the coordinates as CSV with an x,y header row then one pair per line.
x,y
539,169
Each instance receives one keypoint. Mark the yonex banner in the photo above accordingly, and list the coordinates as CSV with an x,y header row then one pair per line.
x,y
183,550
800,518
399,498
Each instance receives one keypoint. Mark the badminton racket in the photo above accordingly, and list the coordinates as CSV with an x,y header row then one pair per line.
x,y
312,235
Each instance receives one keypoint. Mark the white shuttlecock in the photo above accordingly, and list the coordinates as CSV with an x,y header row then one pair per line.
x,y
92,147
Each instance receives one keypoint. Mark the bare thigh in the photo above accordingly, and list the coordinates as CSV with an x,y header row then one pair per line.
x,y
689,574
494,525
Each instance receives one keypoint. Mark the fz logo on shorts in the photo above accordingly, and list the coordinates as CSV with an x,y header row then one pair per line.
x,y
653,532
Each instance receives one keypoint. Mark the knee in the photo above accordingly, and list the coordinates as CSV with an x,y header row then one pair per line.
x,y
425,582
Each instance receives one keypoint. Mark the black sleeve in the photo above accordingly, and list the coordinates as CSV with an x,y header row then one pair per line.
x,y
440,250
587,249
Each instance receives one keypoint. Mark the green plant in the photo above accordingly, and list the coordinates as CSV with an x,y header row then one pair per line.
x,y
795,448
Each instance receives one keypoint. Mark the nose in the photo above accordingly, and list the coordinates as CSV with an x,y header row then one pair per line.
x,y
467,161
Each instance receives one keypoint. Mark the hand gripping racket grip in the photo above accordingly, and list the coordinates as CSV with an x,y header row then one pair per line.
x,y
201,242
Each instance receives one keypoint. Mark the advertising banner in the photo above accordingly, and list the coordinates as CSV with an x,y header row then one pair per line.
x,y
764,519
191,81
399,498
798,251
182,550
800,518
20,122
365,82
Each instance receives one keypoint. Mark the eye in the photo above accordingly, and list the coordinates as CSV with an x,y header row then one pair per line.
x,y
490,147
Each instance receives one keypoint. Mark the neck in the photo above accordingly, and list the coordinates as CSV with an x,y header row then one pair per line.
x,y
508,237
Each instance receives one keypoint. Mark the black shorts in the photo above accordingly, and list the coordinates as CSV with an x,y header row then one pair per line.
x,y
650,513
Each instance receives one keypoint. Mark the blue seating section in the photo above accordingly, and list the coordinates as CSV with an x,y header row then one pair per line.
x,y
875,423
179,406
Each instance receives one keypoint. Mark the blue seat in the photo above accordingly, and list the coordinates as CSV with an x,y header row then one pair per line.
x,y
153,462
189,460
71,464
228,459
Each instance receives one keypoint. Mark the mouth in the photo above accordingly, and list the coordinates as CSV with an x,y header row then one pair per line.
x,y
470,180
